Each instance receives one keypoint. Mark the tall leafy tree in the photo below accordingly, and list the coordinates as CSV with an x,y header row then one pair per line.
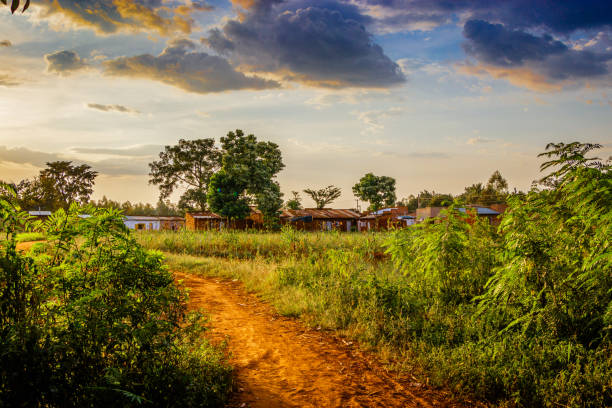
x,y
190,164
249,169
324,196
377,190
61,184
226,196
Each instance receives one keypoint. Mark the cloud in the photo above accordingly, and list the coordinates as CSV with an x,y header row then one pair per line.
x,y
373,120
131,151
318,43
534,43
23,155
112,108
113,16
479,140
191,71
541,59
118,166
6,43
64,62
497,45
557,17
8,80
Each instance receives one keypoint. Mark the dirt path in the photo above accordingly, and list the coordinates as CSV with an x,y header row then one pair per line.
x,y
281,363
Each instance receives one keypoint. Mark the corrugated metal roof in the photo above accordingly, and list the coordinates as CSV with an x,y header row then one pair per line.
x,y
481,210
205,215
323,213
39,213
140,218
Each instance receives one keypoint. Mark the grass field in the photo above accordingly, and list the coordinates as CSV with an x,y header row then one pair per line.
x,y
347,283
267,245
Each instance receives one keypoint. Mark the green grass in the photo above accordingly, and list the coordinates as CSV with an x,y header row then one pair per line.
x,y
337,281
31,236
251,245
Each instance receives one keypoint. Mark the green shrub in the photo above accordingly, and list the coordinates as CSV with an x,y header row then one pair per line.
x,y
96,320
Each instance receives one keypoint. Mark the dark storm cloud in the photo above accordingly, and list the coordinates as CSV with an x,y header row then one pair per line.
x,y
321,43
189,70
539,40
560,17
497,45
64,62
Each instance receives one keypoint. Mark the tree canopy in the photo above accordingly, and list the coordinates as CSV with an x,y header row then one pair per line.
x,y
190,164
377,190
57,186
64,183
324,196
248,171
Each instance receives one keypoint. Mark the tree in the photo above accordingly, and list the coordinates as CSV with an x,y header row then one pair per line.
x,y
497,182
225,196
269,201
249,167
411,202
63,183
190,164
295,203
433,199
377,190
495,191
324,196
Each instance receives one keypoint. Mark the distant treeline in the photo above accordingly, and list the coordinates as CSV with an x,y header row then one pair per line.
x,y
162,208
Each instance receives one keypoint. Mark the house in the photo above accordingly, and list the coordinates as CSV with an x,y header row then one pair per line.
x,y
206,220
171,223
142,222
428,212
321,219
386,218
40,215
492,216
203,220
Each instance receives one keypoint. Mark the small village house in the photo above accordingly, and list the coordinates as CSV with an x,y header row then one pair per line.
x,y
386,218
40,215
203,221
168,223
206,220
492,216
325,219
142,222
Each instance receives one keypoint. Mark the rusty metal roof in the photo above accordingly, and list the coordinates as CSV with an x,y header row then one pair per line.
x,y
323,213
204,215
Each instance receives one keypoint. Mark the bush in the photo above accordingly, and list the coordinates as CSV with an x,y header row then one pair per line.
x,y
96,320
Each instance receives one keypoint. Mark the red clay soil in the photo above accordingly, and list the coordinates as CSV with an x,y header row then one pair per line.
x,y
279,362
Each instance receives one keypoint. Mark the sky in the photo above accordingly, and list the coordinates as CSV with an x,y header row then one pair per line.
x,y
437,94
